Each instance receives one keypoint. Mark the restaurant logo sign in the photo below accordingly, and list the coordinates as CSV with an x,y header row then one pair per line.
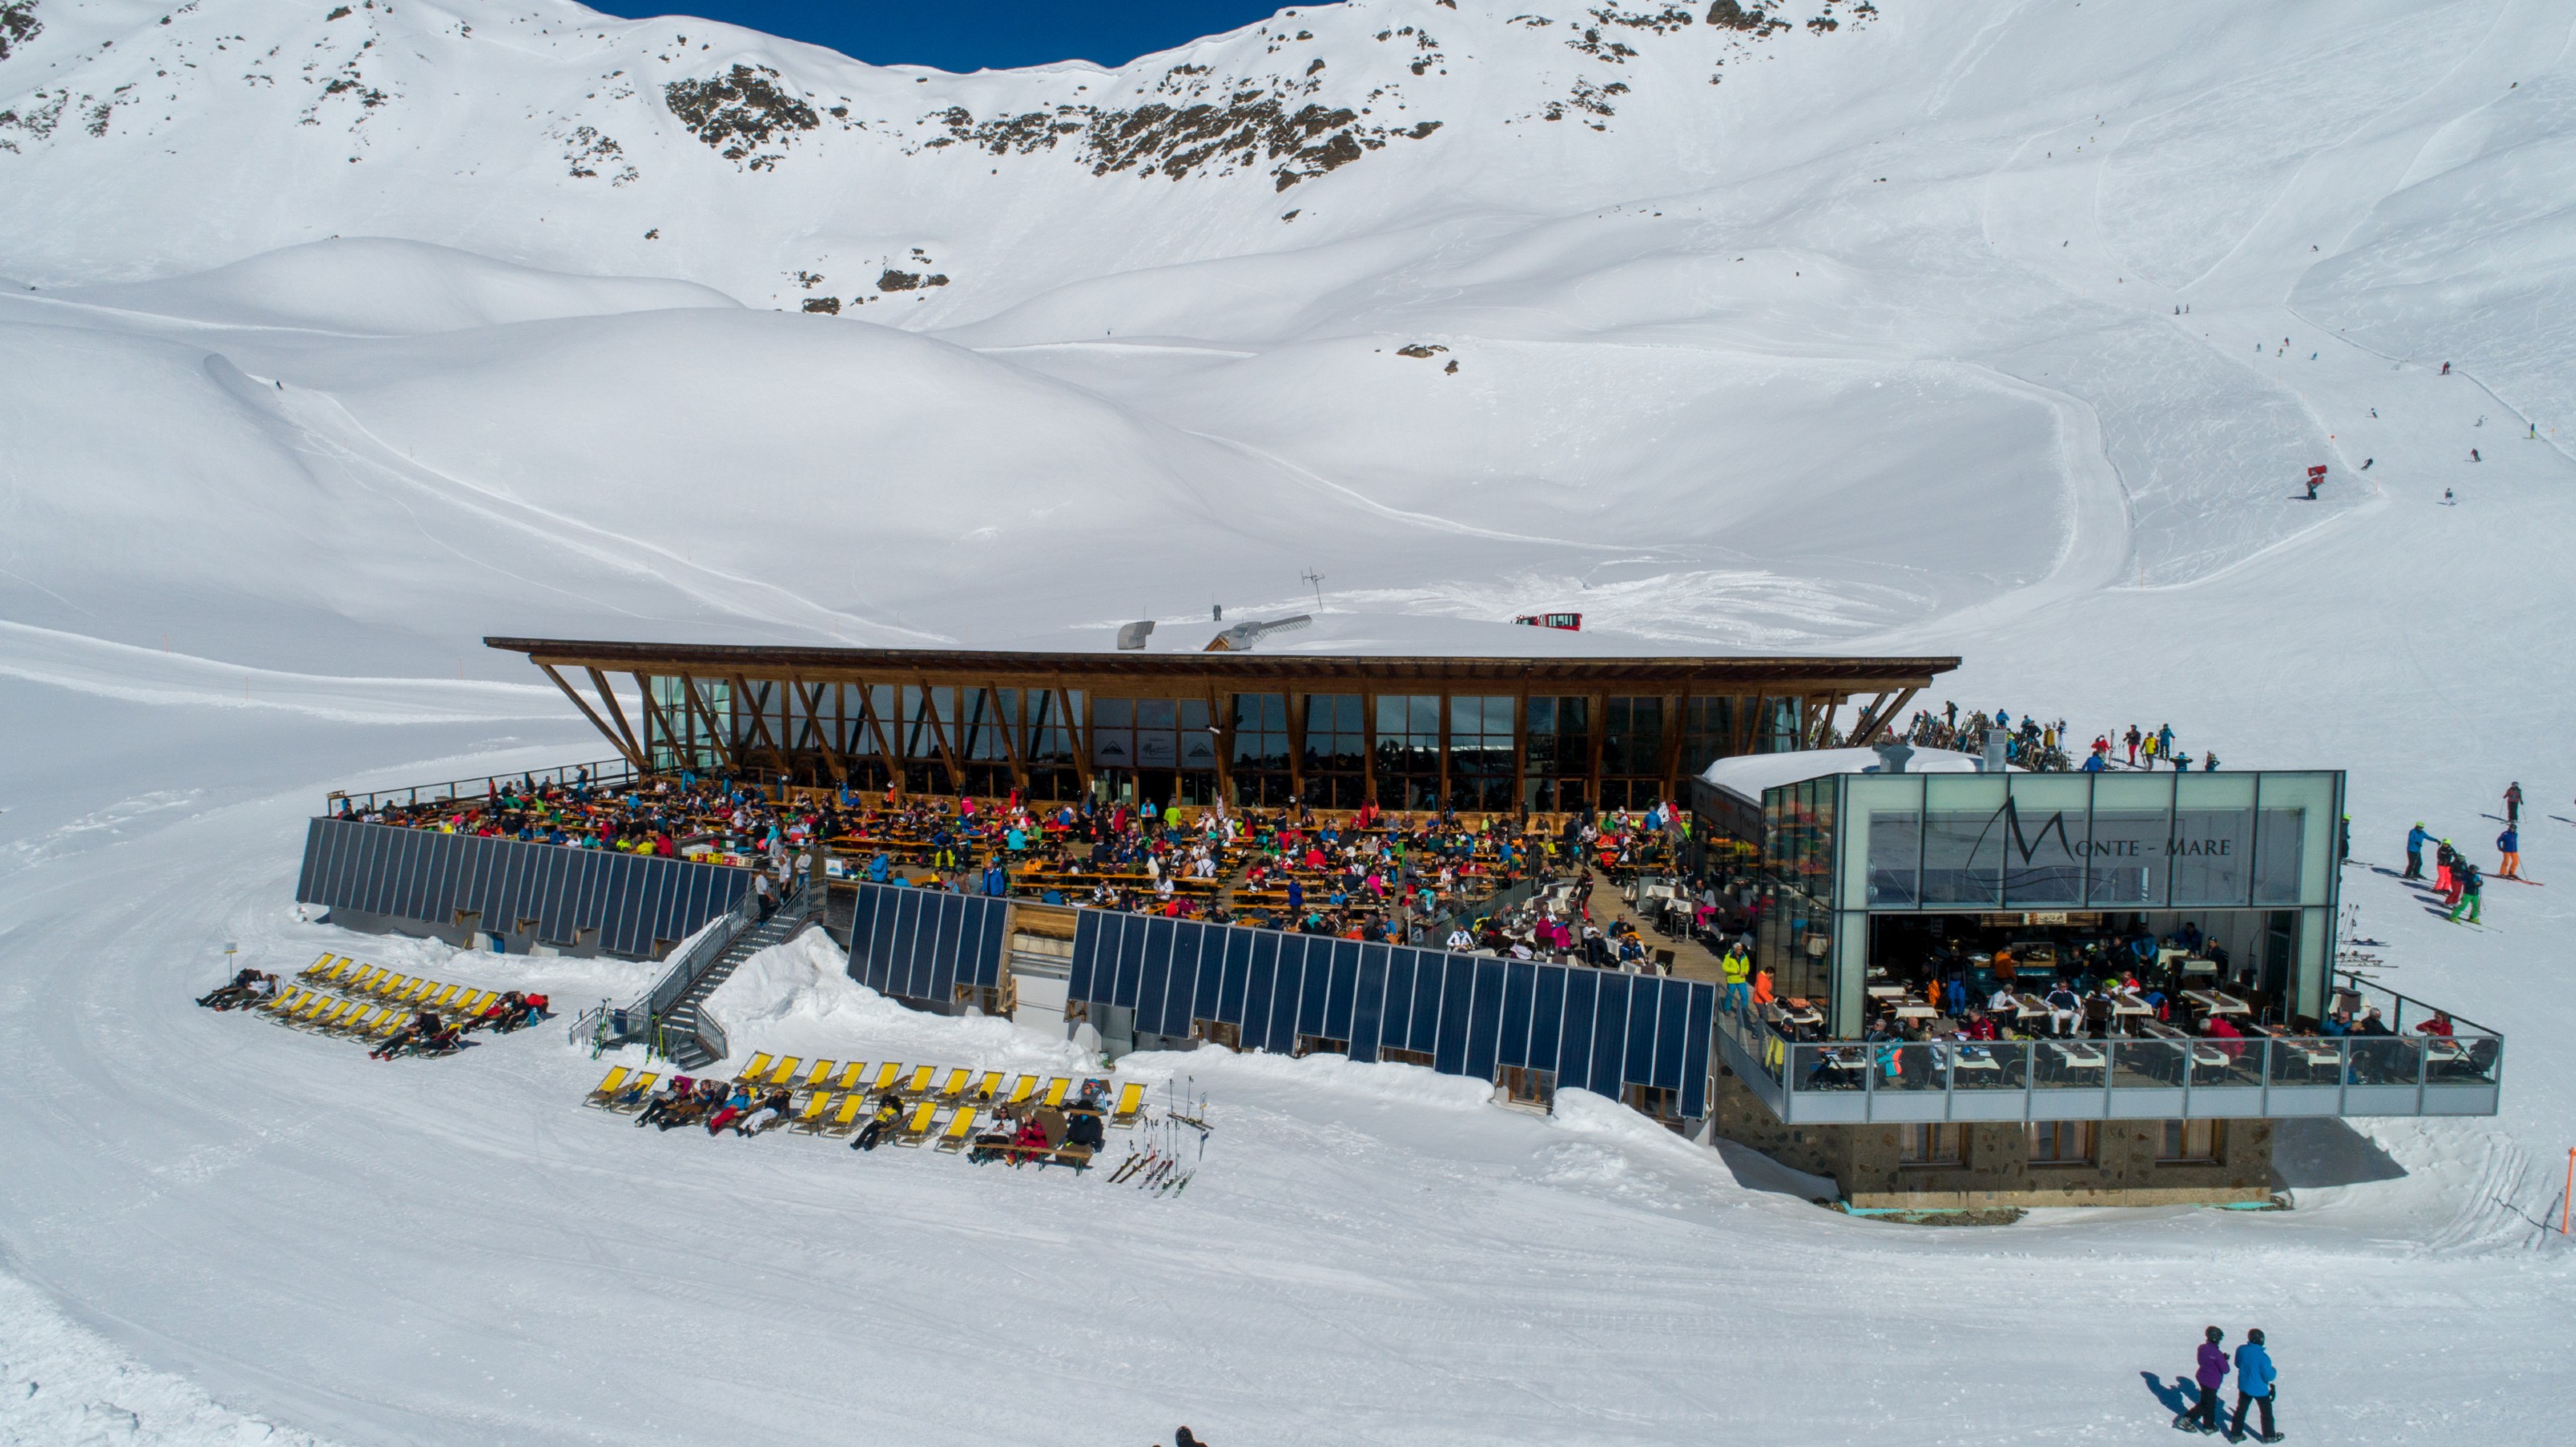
x,y
2104,841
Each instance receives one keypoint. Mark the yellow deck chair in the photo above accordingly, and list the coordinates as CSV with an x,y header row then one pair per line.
x,y
920,1081
816,1078
985,1088
850,1074
811,1121
314,970
359,1021
917,1125
886,1074
279,1001
961,1129
1055,1091
637,1091
785,1074
331,1014
387,986
446,994
313,1011
409,991
365,980
954,1085
846,1119
1026,1087
607,1088
1131,1100
396,1017
758,1067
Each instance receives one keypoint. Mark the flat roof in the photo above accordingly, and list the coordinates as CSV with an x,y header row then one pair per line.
x,y
1747,775
716,660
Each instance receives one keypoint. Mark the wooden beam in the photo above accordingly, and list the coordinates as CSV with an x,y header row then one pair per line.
x,y
617,711
939,734
1887,716
1077,730
1011,718
876,729
1221,735
653,715
827,741
699,711
1295,704
759,706
596,721
1676,710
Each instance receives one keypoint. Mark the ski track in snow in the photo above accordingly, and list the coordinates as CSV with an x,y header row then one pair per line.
x,y
1717,384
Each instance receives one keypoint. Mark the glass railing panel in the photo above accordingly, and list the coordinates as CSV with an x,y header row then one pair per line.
x,y
2306,1060
2217,1062
1990,1065
1912,1065
2463,1060
1827,1067
2068,1064
2385,1060
2148,1064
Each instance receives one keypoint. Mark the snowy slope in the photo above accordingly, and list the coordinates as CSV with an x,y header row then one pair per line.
x,y
336,340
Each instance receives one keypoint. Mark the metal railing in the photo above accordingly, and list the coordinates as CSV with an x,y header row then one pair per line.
x,y
648,1018
599,772
2124,1077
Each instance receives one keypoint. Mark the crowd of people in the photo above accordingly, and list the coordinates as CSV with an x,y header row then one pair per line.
x,y
2457,880
1017,1131
2048,747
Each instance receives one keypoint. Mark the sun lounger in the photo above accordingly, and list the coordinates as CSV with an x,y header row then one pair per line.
x,y
440,1002
1026,1087
396,1017
1131,1100
390,986
811,1120
359,1020
920,1081
850,1073
758,1067
845,1120
816,1077
314,971
961,1129
955,1084
785,1074
886,1074
331,1014
631,1096
985,1088
916,1126
1055,1091
607,1089
364,982
282,1000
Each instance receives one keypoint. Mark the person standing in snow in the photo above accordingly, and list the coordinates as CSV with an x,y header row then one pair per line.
x,y
2211,1372
2131,738
2446,863
2466,878
2509,844
2513,803
2255,1381
2164,739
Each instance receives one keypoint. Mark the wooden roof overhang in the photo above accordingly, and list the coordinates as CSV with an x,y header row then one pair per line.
x,y
1149,674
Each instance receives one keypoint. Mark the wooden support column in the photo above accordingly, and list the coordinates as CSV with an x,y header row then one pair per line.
x,y
1221,735
869,712
939,735
1077,729
1676,712
698,710
1599,722
1011,719
655,718
759,707
596,721
830,743
608,697
1296,705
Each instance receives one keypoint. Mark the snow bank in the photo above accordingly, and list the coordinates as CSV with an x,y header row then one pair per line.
x,y
798,999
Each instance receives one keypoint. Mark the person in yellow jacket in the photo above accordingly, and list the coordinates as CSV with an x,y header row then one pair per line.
x,y
1739,972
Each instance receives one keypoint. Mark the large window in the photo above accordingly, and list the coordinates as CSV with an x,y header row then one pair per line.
x,y
1261,749
1480,753
1963,839
1931,1145
1632,753
1783,719
926,717
1336,749
1408,750
1708,732
2061,1143
1559,759
2192,1142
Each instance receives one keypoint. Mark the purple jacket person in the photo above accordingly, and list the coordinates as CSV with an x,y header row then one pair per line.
x,y
2213,1370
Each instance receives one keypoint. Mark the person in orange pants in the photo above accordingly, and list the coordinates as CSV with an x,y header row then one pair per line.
x,y
2509,844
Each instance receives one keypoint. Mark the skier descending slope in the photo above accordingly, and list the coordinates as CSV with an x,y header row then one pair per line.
x,y
2415,840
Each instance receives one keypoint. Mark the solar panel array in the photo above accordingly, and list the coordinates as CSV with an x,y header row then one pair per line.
x,y
634,901
1472,1015
920,944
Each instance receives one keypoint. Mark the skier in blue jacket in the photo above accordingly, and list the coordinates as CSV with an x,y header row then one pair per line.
x,y
2415,840
2254,1381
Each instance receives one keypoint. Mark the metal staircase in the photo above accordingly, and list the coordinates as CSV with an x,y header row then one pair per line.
x,y
688,1035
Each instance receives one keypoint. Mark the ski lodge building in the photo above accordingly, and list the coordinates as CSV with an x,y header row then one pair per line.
x,y
1982,988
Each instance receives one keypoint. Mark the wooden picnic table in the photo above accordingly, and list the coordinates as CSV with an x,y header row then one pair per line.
x,y
2216,1003
1914,1010
1885,992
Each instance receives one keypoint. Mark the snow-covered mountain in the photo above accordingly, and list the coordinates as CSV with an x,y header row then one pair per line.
x,y
335,335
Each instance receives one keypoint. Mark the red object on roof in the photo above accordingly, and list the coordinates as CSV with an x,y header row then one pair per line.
x,y
1570,622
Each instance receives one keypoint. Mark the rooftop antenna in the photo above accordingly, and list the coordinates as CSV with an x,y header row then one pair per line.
x,y
1314,580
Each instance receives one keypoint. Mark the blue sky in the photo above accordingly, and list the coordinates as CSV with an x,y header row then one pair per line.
x,y
966,35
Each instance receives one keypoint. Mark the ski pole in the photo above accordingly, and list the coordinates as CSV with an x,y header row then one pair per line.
x,y
2564,1203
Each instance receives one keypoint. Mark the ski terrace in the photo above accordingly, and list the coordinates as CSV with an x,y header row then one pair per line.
x,y
1947,984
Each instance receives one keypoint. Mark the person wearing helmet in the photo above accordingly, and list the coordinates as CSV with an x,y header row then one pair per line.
x,y
2415,838
2255,1380
2211,1370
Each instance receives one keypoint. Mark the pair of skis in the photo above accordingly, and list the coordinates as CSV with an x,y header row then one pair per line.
x,y
1159,1168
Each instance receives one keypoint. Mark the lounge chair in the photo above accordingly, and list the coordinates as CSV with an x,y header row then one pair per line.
x,y
607,1089
886,1075
758,1067
282,1001
359,1021
314,970
785,1074
1131,1101
985,1088
331,1014
816,1077
1026,1087
631,1097
955,1085
850,1074
920,1081
811,1120
470,1004
961,1129
364,982
1055,1091
916,1126
854,1104
445,999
